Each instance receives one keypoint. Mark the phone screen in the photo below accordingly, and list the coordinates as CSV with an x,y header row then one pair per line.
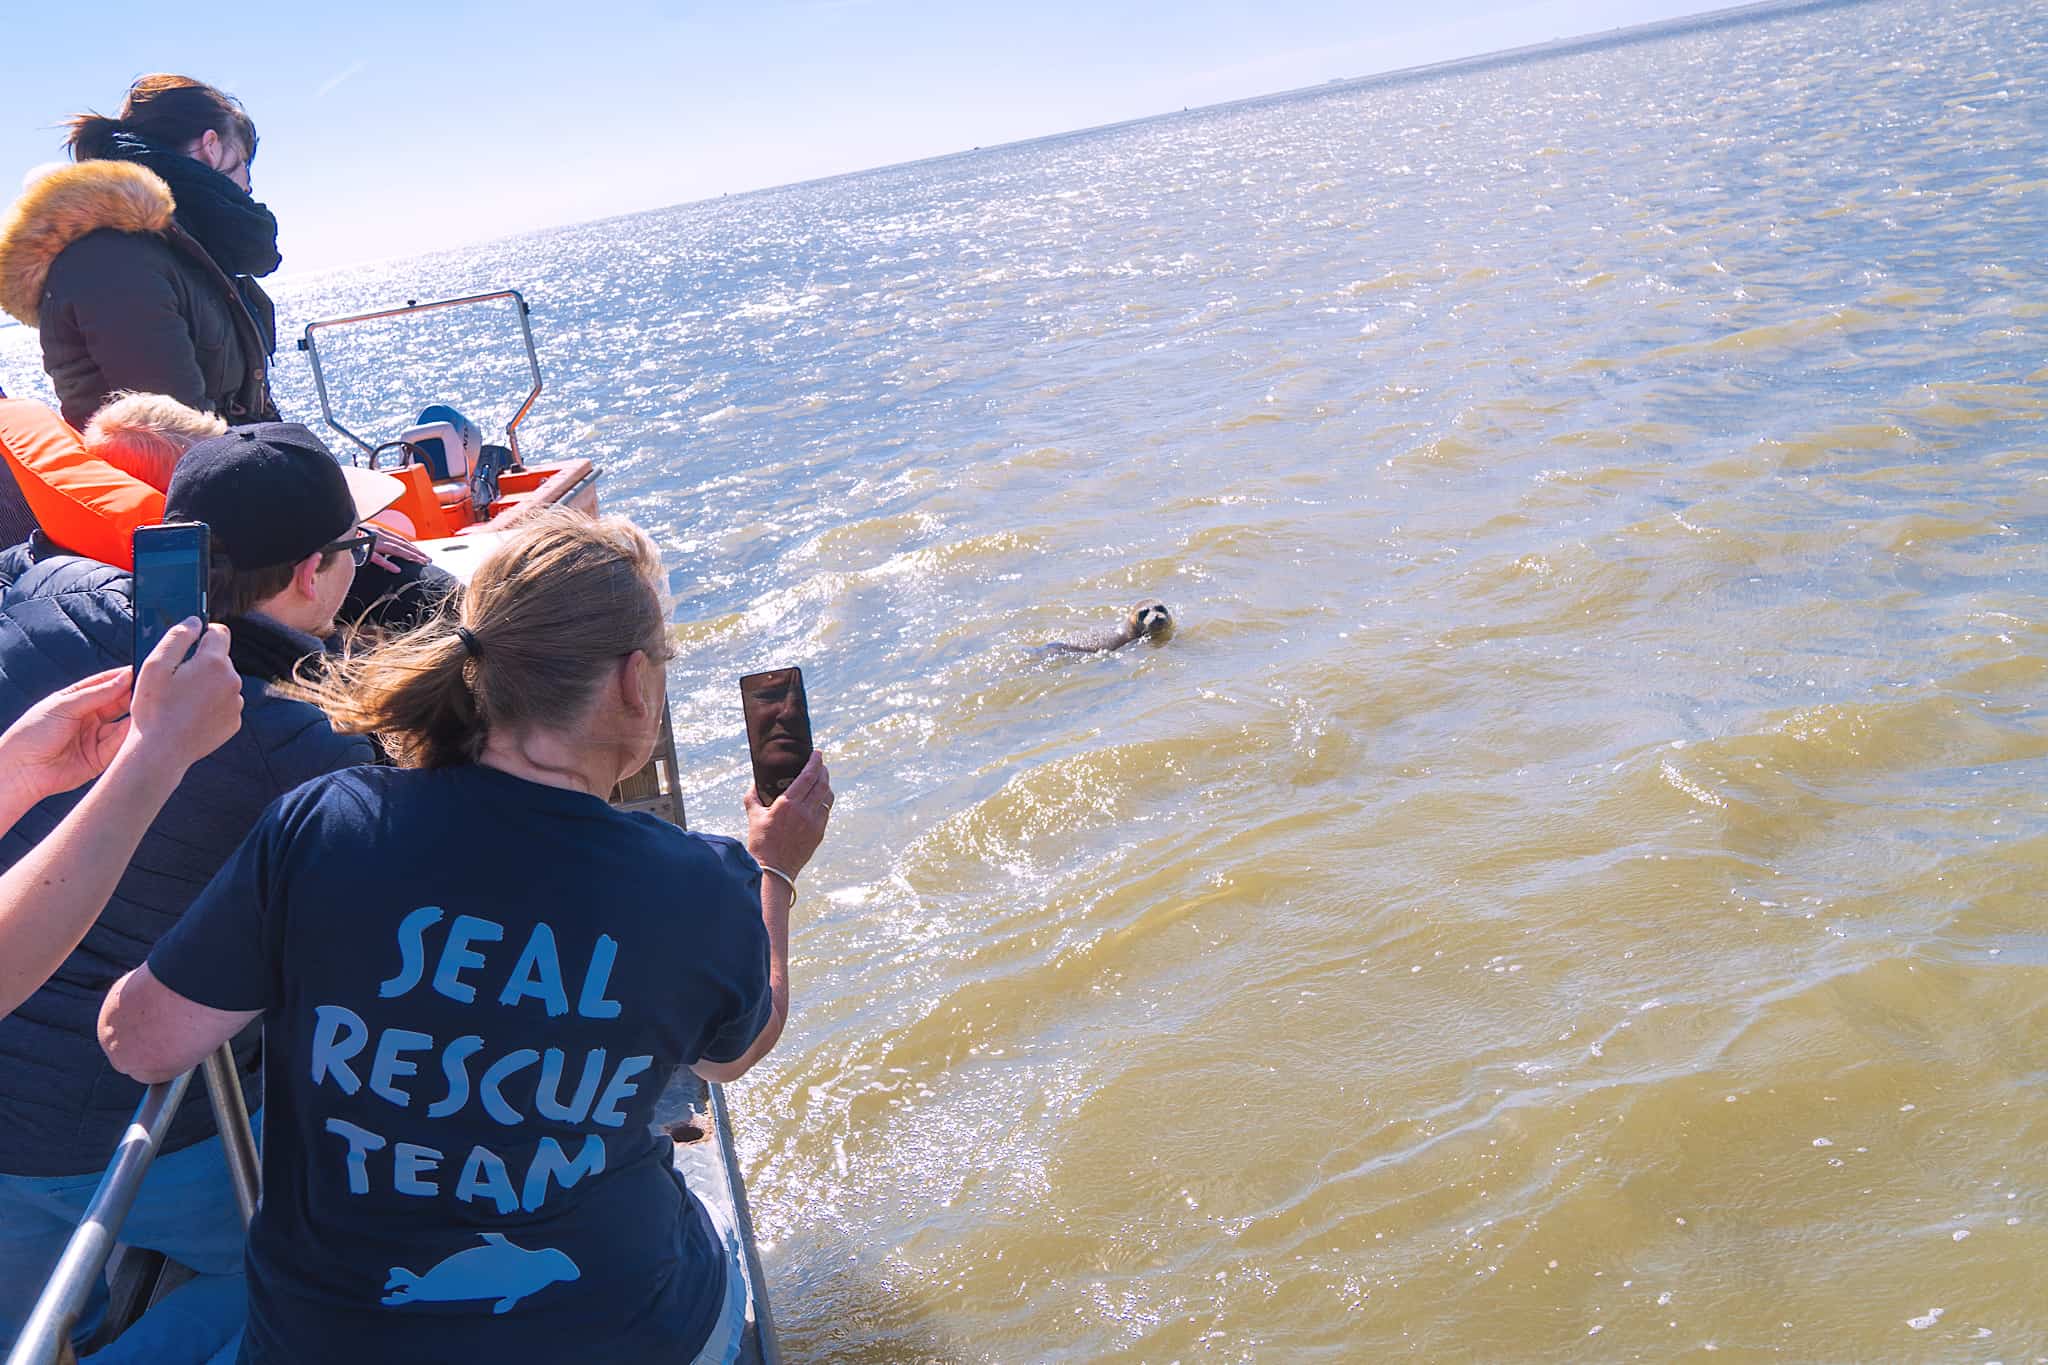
x,y
171,563
778,728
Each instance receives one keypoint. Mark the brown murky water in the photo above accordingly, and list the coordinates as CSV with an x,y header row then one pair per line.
x,y
1573,887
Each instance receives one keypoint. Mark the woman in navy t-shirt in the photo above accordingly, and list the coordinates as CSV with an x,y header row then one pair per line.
x,y
476,978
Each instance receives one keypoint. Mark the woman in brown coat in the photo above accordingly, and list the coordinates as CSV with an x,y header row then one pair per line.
x,y
137,263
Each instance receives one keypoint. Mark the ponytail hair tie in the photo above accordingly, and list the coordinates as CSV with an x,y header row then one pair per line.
x,y
469,644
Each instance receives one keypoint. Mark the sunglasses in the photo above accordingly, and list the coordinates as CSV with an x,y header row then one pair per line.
x,y
359,546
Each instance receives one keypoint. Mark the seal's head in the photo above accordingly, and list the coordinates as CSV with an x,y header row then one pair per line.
x,y
1150,620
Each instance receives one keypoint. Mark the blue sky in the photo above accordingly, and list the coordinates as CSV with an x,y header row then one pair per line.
x,y
391,129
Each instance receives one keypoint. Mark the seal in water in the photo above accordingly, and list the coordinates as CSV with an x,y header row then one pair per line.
x,y
1149,620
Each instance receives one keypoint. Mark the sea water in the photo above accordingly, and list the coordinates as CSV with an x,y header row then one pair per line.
x,y
1572,888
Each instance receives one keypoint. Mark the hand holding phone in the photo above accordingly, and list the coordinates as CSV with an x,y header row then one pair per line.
x,y
785,835
778,718
187,700
172,562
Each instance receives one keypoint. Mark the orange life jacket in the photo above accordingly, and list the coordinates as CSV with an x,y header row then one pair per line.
x,y
84,504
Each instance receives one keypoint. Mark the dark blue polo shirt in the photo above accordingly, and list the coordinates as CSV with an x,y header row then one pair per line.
x,y
474,988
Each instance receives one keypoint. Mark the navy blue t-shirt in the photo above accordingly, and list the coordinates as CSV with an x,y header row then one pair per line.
x,y
474,989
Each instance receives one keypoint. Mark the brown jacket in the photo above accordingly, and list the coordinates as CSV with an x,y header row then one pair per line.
x,y
126,299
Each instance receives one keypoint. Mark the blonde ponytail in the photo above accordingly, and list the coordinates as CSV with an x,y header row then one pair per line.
x,y
525,645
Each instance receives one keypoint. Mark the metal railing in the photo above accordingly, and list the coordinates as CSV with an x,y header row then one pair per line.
x,y
237,1139
309,343
47,1334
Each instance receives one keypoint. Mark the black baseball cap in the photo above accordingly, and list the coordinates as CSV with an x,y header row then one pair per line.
x,y
272,493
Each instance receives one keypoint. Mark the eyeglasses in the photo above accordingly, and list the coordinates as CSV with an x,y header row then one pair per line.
x,y
359,546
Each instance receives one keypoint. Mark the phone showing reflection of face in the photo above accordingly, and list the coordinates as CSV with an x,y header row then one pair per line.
x,y
778,728
171,563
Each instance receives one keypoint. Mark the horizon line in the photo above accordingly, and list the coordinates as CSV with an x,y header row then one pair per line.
x,y
1756,11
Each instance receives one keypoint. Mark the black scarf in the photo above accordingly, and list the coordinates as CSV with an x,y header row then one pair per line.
x,y
239,233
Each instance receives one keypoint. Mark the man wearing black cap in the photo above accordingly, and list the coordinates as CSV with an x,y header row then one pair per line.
x,y
284,518
286,536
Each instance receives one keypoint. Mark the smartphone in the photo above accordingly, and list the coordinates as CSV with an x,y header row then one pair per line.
x,y
778,728
171,565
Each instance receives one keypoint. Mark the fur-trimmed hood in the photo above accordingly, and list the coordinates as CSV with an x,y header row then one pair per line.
x,y
63,206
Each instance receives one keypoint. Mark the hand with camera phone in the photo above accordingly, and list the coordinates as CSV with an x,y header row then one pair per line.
x,y
787,805
791,796
168,714
138,741
172,562
187,700
785,834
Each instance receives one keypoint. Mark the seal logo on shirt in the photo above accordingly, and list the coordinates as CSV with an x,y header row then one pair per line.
x,y
496,1270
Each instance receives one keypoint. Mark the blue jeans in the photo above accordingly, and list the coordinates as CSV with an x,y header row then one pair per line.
x,y
185,1209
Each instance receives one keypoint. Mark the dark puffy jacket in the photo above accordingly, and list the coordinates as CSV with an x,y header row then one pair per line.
x,y
124,298
62,618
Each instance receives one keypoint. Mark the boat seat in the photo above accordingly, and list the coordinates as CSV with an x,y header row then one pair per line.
x,y
443,440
